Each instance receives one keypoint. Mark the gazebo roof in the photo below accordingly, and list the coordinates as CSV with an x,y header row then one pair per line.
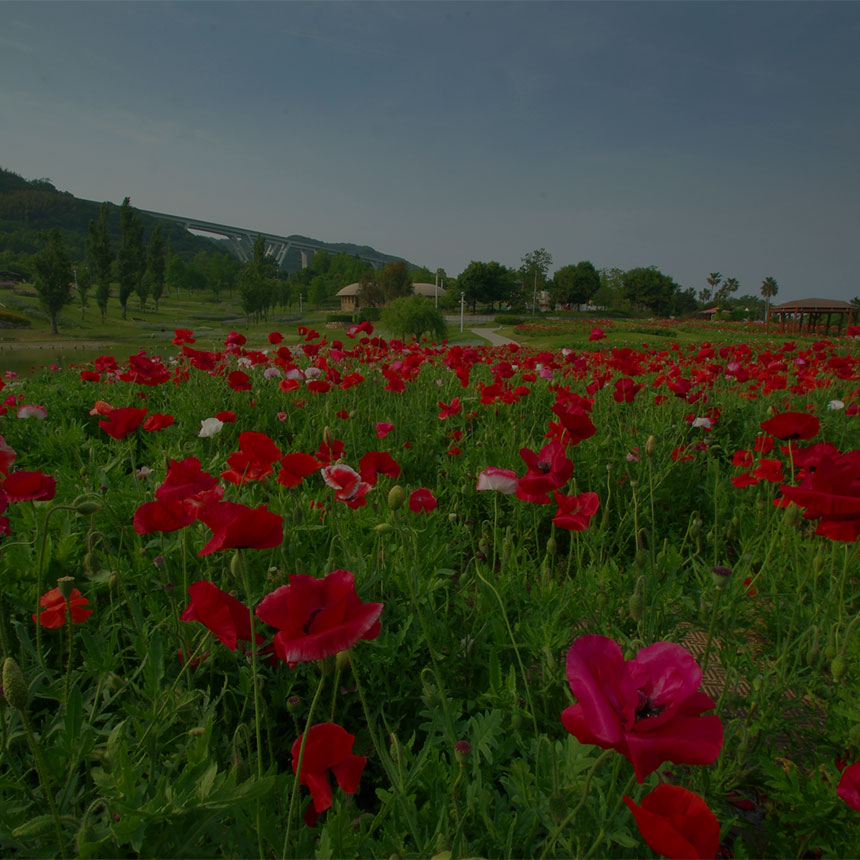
x,y
813,305
349,290
417,289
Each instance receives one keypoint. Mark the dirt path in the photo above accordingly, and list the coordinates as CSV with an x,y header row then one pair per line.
x,y
492,337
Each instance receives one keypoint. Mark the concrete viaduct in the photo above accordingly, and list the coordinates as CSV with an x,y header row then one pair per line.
x,y
241,241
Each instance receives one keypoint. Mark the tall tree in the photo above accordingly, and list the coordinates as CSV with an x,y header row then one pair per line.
x,y
256,282
729,286
534,268
83,282
100,258
651,289
769,288
155,264
575,285
487,283
53,276
130,258
394,280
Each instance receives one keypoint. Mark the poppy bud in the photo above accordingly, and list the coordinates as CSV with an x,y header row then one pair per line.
x,y
651,446
384,528
818,562
14,685
641,560
461,752
91,563
396,497
551,546
838,667
830,648
236,564
87,508
394,748
66,584
341,660
720,574
791,514
113,580
695,524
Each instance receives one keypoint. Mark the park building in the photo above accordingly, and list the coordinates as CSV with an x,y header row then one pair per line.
x,y
349,294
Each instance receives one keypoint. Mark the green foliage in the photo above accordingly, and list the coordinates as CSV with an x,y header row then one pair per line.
x,y
489,283
575,285
10,319
414,316
130,258
650,289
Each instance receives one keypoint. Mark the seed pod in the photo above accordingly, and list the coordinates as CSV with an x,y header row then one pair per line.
x,y
636,604
838,667
720,575
66,584
651,446
14,685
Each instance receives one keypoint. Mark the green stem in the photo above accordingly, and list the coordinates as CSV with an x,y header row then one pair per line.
x,y
41,770
69,661
714,612
297,781
573,812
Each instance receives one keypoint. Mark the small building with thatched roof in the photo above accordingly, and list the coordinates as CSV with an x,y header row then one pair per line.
x,y
813,315
348,295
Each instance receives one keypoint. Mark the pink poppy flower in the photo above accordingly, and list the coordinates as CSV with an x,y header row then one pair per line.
x,y
7,456
32,411
383,428
648,708
499,480
347,483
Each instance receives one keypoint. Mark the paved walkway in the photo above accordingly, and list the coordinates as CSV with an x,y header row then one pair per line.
x,y
492,337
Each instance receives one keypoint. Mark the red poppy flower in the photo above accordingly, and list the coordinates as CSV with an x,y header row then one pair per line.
x,y
769,470
328,748
374,462
830,492
183,335
238,380
7,456
849,786
448,410
162,516
235,339
120,422
576,421
225,616
275,337
235,526
226,416
29,486
157,421
330,449
254,460
184,479
422,501
597,334
626,390
745,479
792,425
347,483
316,618
53,612
90,376
648,709
548,469
296,466
677,823
575,512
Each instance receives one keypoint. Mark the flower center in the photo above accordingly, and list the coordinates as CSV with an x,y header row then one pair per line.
x,y
646,709
543,466
306,627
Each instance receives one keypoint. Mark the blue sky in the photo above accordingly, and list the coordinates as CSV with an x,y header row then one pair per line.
x,y
694,136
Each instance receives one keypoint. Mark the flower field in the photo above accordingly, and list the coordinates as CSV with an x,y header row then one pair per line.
x,y
359,597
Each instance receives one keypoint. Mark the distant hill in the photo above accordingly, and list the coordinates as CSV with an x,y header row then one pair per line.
x,y
29,206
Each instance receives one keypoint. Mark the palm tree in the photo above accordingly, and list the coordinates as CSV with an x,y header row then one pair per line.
x,y
713,280
769,288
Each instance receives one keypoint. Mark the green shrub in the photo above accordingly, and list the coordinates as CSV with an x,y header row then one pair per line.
x,y
369,315
339,318
506,319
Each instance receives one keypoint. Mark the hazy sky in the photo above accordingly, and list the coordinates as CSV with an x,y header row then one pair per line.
x,y
692,136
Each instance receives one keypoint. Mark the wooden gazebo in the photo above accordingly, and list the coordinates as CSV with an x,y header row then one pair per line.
x,y
813,315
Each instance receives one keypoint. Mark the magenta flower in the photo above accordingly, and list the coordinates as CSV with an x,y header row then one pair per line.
x,y
648,708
